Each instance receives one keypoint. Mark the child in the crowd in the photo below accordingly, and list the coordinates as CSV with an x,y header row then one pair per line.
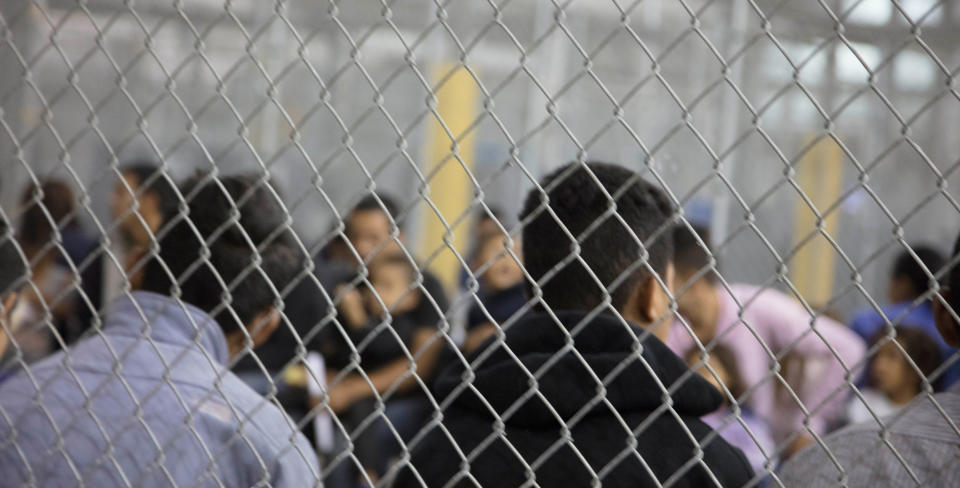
x,y
501,289
51,302
381,322
893,380
724,364
364,313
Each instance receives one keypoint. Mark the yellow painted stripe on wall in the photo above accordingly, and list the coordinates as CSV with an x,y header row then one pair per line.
x,y
450,187
820,175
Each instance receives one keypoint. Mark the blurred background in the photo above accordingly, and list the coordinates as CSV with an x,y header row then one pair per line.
x,y
777,123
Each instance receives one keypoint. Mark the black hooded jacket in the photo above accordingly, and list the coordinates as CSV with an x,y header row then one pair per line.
x,y
660,445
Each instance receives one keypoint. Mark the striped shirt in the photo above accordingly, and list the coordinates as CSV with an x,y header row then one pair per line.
x,y
923,449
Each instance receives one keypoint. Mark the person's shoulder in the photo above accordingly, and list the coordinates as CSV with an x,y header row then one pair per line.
x,y
864,456
270,424
264,427
847,446
867,313
865,319
929,417
26,381
35,400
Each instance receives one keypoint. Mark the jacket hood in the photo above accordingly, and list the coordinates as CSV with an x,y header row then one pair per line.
x,y
610,352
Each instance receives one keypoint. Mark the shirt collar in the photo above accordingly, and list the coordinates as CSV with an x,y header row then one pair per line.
x,y
166,320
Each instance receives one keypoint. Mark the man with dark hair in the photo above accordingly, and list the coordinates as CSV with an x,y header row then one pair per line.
x,y
149,401
573,394
907,306
750,320
916,447
13,272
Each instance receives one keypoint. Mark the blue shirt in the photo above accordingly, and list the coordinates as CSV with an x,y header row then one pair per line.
x,y
146,402
867,323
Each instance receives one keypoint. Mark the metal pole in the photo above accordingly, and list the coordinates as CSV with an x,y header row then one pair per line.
x,y
727,129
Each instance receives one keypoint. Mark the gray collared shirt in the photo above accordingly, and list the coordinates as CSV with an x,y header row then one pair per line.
x,y
923,450
146,402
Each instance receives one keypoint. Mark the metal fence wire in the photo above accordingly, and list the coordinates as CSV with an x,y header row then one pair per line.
x,y
280,243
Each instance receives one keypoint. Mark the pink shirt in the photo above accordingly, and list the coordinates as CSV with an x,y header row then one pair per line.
x,y
778,320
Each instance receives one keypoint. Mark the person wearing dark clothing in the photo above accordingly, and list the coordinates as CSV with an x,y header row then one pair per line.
x,y
381,323
405,320
501,292
308,319
307,314
499,304
575,393
55,246
571,391
381,319
394,313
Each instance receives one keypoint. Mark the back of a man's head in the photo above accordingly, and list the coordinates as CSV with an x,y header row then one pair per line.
x,y
151,180
610,250
239,224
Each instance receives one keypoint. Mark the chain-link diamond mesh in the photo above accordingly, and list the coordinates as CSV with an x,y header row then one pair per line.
x,y
802,145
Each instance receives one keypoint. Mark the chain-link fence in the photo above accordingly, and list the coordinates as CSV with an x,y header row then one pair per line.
x,y
387,147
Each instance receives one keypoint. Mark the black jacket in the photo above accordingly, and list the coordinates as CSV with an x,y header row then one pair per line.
x,y
535,433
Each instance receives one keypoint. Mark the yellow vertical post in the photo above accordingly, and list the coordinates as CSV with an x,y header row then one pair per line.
x,y
820,176
450,188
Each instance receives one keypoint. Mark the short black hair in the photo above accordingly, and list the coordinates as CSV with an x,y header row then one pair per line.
x,y
906,267
13,270
151,179
688,255
222,211
369,203
610,250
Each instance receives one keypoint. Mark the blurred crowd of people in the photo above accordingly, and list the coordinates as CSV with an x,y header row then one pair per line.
x,y
385,328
